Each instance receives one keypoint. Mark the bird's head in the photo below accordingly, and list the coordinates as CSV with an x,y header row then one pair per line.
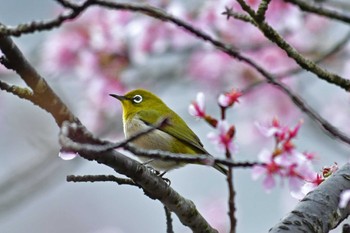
x,y
139,100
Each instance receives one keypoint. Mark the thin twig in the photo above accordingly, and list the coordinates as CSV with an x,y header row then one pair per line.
x,y
160,14
231,196
336,48
36,26
271,34
230,184
236,15
42,94
21,92
169,220
103,146
260,14
298,101
154,186
100,178
308,6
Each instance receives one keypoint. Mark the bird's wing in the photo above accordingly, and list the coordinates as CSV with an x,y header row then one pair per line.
x,y
176,128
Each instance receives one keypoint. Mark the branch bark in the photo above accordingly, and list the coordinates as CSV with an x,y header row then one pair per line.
x,y
319,211
154,186
228,49
42,94
44,97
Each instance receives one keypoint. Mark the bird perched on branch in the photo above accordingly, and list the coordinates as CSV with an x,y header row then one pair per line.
x,y
141,110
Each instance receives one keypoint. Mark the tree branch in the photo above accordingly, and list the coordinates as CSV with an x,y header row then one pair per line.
x,y
160,14
305,63
154,186
306,216
307,6
100,178
260,14
335,49
42,94
169,221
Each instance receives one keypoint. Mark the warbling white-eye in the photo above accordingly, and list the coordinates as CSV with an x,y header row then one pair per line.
x,y
141,109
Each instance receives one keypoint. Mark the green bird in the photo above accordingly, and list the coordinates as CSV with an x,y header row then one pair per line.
x,y
142,109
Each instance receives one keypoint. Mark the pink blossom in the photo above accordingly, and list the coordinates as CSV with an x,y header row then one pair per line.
x,y
305,189
197,108
229,98
285,160
297,173
267,130
223,137
313,180
269,169
215,210
281,133
344,198
93,44
209,65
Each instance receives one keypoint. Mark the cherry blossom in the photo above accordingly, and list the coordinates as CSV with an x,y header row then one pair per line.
x,y
313,180
284,161
223,137
197,108
228,99
269,168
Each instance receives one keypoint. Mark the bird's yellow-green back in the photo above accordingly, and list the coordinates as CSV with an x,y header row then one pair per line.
x,y
142,108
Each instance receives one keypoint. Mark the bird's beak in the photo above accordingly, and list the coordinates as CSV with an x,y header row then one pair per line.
x,y
119,97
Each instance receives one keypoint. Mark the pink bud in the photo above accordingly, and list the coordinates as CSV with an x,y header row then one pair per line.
x,y
197,108
229,98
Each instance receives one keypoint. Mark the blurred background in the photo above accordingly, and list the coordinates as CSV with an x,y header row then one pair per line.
x,y
107,51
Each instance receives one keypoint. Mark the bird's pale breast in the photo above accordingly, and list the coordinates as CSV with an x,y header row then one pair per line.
x,y
155,140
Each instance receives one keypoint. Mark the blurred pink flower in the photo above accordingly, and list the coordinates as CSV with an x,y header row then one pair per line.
x,y
344,198
197,108
215,210
228,99
223,137
308,186
269,169
93,44
93,49
285,160
268,130
209,65
274,59
313,180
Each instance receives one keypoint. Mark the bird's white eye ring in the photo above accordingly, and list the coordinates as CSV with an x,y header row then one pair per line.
x,y
137,99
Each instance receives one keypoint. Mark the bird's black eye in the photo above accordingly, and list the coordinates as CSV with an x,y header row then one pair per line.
x,y
137,99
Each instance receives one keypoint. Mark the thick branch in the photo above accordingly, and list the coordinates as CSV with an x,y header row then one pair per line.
x,y
335,49
318,211
154,186
42,95
305,63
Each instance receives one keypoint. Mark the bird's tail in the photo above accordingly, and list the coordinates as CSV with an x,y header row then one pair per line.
x,y
221,169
